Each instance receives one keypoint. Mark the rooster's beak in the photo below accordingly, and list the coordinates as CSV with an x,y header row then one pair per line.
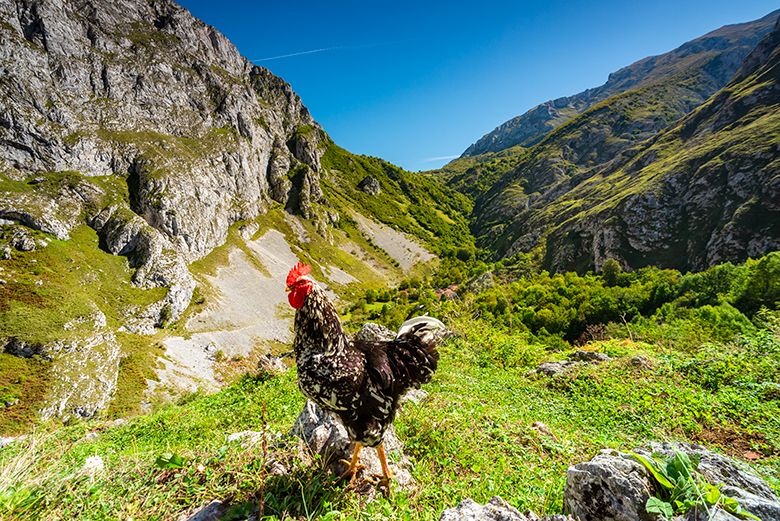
x,y
287,289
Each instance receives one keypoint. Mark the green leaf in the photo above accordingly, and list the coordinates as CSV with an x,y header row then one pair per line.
x,y
656,506
653,468
170,461
679,466
711,494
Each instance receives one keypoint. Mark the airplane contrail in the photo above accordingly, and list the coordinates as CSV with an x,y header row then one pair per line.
x,y
301,53
439,158
325,49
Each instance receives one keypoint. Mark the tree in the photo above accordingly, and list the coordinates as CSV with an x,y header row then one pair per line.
x,y
610,271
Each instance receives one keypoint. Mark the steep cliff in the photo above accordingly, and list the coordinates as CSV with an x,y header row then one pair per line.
x,y
701,192
144,92
134,140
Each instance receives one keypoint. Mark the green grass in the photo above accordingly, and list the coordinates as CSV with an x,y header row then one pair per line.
x,y
476,435
52,286
490,425
23,386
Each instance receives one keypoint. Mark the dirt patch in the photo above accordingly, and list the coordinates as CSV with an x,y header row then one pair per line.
x,y
249,310
745,445
338,275
399,246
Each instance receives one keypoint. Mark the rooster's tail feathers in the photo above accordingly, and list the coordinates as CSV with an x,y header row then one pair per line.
x,y
426,330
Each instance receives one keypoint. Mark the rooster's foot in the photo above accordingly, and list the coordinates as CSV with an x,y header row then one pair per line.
x,y
353,467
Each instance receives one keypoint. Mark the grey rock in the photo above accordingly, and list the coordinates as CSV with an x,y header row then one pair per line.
x,y
370,185
613,486
325,436
588,356
494,510
766,508
576,359
6,254
23,243
610,486
213,511
702,514
555,368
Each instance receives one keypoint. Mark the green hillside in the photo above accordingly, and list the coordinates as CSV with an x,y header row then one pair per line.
x,y
691,357
591,189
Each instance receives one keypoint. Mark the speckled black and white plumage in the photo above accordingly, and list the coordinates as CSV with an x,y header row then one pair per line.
x,y
361,382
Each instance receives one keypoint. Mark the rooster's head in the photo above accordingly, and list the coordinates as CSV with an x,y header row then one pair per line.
x,y
299,284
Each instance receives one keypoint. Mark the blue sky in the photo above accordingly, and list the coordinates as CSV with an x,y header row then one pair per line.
x,y
417,82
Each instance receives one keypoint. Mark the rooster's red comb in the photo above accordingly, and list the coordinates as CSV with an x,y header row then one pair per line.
x,y
298,271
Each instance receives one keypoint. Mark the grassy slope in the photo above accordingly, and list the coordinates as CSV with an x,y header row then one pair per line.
x,y
475,436
709,376
51,286
416,203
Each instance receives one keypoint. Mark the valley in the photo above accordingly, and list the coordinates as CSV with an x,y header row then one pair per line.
x,y
607,266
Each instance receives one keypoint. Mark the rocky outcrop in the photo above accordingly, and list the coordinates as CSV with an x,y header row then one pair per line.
x,y
614,486
370,185
575,359
326,437
86,367
494,510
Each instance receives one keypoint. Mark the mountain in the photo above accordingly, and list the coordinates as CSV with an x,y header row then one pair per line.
x,y
703,192
705,64
700,192
149,176
515,189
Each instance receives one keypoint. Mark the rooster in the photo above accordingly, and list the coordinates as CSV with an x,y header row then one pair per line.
x,y
359,381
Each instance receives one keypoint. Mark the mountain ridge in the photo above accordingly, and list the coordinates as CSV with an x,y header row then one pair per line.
x,y
530,127
136,140
699,193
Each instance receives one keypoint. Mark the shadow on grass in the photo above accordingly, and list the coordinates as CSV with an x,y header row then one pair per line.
x,y
305,493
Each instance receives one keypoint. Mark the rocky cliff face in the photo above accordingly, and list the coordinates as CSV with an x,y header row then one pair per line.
x,y
543,198
715,57
703,191
145,94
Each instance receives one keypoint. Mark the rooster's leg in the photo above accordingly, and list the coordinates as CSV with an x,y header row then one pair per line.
x,y
354,466
387,474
